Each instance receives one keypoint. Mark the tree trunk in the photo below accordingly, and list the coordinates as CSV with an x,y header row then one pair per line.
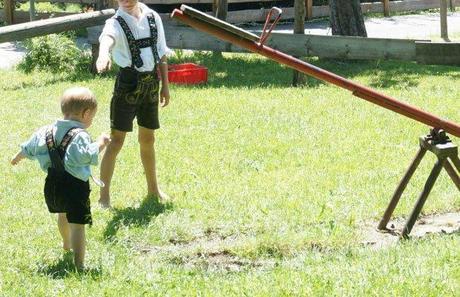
x,y
347,18
299,78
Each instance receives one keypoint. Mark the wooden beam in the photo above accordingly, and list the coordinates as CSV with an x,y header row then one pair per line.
x,y
444,53
302,45
216,22
342,47
9,11
54,25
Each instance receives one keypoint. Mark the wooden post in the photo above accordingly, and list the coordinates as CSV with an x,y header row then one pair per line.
x,y
32,10
309,6
386,7
8,7
443,14
299,78
222,8
219,9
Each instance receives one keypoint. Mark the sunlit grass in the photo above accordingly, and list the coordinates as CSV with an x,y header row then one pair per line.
x,y
276,177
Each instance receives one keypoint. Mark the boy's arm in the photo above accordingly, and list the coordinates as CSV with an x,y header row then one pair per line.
x,y
164,93
103,62
29,149
17,158
163,52
83,152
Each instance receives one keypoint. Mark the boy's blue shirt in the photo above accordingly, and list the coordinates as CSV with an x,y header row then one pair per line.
x,y
80,154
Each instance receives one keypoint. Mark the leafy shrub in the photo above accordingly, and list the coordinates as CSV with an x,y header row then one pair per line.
x,y
55,53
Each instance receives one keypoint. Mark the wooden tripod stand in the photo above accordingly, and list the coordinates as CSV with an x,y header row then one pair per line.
x,y
439,144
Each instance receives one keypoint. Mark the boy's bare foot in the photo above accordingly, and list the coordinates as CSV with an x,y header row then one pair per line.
x,y
104,204
162,196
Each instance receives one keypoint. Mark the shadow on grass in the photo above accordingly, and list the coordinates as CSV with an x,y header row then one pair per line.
x,y
140,216
247,71
56,78
65,267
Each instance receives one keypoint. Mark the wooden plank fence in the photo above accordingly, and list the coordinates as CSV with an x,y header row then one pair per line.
x,y
259,15
301,45
180,37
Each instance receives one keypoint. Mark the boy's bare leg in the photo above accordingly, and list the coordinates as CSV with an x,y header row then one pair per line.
x,y
108,164
78,243
146,140
64,229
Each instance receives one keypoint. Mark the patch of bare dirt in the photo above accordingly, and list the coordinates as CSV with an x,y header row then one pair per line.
x,y
209,252
446,223
212,251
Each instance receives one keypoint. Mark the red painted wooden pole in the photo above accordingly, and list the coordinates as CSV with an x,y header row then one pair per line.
x,y
357,89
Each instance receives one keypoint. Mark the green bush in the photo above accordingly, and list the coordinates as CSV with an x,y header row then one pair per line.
x,y
55,53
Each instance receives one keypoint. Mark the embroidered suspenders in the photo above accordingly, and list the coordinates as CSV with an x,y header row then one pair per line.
x,y
136,45
57,152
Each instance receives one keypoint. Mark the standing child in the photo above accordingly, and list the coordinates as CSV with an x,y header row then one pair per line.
x,y
136,38
65,150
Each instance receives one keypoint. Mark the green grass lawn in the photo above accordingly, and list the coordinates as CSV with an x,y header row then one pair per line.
x,y
271,185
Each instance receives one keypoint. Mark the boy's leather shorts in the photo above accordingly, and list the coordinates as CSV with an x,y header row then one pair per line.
x,y
65,193
136,95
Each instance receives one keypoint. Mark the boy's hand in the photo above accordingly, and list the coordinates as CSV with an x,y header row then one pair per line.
x,y
103,141
17,158
164,96
103,63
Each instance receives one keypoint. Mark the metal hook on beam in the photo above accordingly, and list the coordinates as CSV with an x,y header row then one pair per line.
x,y
265,33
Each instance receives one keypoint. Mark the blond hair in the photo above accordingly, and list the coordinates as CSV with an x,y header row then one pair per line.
x,y
77,100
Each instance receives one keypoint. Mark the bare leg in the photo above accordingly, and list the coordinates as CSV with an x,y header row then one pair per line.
x,y
108,164
78,241
64,229
146,141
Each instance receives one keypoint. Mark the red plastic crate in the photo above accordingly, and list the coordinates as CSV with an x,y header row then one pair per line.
x,y
187,73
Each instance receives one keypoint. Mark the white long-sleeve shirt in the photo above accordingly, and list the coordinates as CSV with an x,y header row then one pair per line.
x,y
140,29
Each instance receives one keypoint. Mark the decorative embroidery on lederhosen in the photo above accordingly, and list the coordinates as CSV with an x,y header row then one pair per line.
x,y
135,45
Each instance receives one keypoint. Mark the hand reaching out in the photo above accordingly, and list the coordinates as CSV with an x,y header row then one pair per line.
x,y
103,141
17,158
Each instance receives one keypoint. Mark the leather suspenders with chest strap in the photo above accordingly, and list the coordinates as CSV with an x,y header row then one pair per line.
x,y
57,152
135,45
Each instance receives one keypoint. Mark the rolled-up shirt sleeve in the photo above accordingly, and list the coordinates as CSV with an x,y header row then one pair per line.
x,y
82,152
31,148
162,48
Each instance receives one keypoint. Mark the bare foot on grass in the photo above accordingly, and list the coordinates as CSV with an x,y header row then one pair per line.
x,y
162,196
104,203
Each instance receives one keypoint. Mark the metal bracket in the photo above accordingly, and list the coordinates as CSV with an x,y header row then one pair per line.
x,y
265,32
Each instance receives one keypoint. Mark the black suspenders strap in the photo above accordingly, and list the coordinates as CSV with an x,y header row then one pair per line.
x,y
57,153
154,36
133,48
136,45
56,160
